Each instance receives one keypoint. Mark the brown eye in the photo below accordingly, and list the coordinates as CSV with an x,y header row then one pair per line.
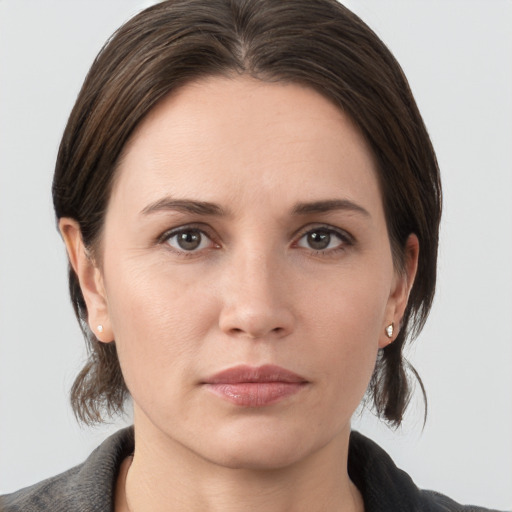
x,y
188,240
323,239
318,240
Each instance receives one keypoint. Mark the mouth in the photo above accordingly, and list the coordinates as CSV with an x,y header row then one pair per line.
x,y
248,386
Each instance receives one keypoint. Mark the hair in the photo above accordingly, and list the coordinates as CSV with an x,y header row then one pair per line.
x,y
316,43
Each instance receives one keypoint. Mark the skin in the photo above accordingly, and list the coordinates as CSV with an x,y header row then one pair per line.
x,y
256,290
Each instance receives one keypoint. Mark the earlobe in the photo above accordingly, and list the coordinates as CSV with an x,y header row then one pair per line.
x,y
399,295
90,279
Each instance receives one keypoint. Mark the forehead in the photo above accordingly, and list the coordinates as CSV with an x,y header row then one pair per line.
x,y
241,135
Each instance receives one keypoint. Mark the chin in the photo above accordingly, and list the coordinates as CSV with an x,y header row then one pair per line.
x,y
258,459
261,449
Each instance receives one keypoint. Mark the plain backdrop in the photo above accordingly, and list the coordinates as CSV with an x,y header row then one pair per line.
x,y
457,55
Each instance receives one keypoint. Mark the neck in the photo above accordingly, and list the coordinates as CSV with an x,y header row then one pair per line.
x,y
166,476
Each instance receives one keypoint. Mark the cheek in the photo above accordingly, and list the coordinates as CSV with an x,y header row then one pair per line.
x,y
346,327
352,306
157,320
347,342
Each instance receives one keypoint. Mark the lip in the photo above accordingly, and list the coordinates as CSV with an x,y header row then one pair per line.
x,y
249,386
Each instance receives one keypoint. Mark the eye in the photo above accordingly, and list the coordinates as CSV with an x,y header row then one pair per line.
x,y
323,239
188,240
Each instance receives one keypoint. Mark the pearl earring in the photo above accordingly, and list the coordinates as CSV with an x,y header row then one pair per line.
x,y
389,330
100,328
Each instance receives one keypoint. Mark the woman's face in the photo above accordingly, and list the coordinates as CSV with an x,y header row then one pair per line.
x,y
246,229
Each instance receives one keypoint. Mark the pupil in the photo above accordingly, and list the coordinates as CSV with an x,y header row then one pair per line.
x,y
189,240
319,240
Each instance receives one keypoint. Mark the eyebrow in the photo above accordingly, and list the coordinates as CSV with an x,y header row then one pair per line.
x,y
185,206
327,206
207,208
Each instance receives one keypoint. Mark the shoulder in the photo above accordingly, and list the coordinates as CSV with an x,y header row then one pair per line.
x,y
43,495
439,502
86,487
387,488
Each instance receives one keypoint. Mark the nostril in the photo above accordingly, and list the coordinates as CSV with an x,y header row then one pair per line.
x,y
256,320
253,333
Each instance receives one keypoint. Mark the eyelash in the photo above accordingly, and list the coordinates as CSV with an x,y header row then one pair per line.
x,y
168,235
345,239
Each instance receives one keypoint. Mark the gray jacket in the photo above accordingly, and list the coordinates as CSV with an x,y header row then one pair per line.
x,y
90,487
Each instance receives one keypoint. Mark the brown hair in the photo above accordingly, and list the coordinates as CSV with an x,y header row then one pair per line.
x,y
317,43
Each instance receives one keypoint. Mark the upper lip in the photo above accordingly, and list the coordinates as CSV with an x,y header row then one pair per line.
x,y
244,373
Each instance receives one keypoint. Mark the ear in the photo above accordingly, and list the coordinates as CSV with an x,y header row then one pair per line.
x,y
90,279
401,288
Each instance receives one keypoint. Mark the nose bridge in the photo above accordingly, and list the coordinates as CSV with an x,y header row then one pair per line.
x,y
255,302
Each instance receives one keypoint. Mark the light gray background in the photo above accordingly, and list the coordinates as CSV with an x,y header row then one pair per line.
x,y
458,57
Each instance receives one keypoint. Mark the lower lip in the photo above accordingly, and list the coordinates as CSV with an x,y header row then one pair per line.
x,y
255,394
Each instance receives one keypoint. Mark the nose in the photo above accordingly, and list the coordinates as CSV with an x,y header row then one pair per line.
x,y
256,299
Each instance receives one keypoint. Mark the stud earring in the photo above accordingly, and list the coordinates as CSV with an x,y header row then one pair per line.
x,y
389,330
100,328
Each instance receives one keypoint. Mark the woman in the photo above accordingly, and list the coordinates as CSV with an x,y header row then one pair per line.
x,y
250,204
